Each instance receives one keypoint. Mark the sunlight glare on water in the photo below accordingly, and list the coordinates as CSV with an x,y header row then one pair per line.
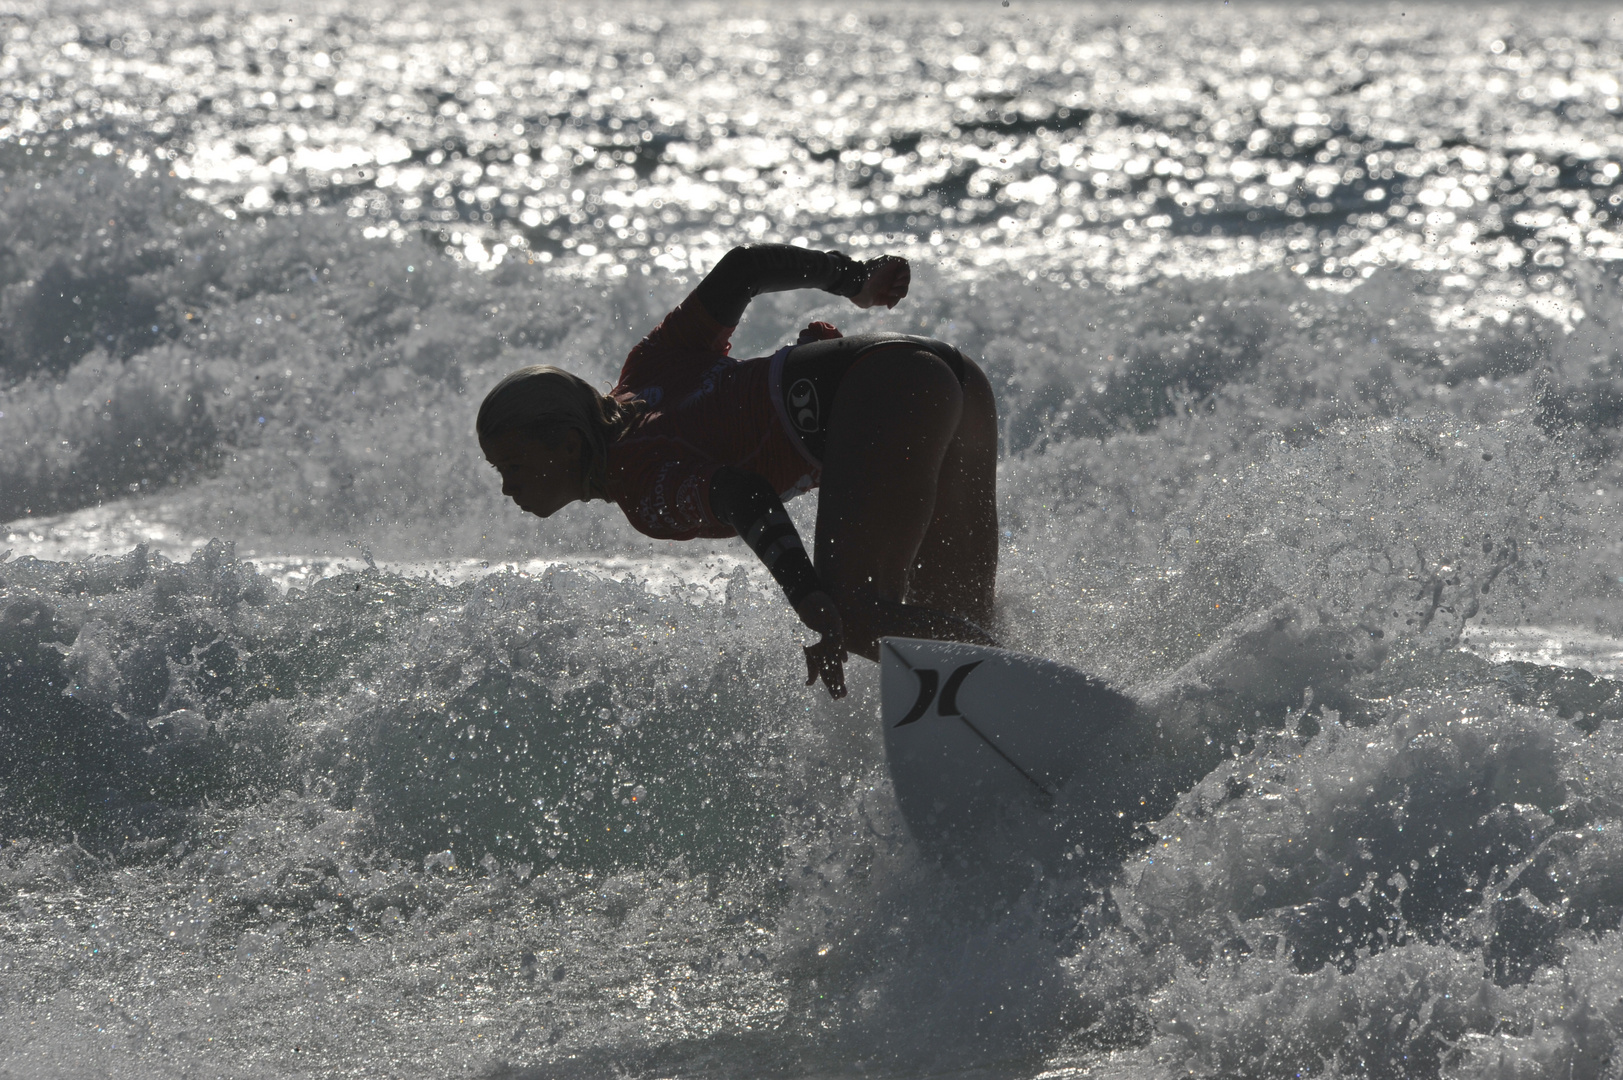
x,y
1072,142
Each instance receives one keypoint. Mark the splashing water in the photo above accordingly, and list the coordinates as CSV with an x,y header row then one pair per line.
x,y
1301,326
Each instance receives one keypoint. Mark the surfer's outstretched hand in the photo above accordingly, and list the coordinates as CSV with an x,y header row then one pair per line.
x,y
888,279
826,659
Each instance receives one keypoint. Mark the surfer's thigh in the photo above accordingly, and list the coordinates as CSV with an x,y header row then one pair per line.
x,y
893,419
955,569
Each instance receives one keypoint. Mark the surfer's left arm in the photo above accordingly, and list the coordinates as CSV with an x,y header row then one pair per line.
x,y
746,272
746,501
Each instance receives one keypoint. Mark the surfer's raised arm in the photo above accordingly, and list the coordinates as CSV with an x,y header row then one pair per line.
x,y
746,272
899,432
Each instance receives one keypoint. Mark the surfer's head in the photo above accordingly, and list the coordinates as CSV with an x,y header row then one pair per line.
x,y
548,434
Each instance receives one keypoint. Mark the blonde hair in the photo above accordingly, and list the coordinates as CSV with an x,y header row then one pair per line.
x,y
547,403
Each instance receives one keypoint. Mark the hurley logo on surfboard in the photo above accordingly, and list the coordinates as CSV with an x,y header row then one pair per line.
x,y
929,679
972,732
947,705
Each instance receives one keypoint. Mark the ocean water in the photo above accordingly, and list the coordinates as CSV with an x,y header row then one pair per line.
x,y
316,759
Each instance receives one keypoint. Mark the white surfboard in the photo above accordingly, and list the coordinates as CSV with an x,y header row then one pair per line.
x,y
975,735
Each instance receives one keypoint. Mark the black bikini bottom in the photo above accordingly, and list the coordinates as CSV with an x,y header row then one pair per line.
x,y
812,374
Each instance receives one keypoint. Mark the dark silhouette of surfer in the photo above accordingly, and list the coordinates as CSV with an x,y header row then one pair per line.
x,y
898,432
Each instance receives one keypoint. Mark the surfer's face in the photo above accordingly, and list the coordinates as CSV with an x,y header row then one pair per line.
x,y
541,479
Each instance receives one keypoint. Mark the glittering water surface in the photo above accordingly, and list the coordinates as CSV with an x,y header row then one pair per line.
x,y
318,759
1072,141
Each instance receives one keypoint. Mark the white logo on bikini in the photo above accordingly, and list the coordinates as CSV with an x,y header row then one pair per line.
x,y
803,405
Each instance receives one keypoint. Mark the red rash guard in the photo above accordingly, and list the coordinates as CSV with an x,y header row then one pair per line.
x,y
707,410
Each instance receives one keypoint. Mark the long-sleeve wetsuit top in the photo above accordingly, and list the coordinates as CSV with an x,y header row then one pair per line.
x,y
707,411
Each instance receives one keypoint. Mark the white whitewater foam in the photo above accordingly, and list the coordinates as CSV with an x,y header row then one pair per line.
x,y
1551,646
115,529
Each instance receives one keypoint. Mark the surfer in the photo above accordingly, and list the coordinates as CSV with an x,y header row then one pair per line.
x,y
899,432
